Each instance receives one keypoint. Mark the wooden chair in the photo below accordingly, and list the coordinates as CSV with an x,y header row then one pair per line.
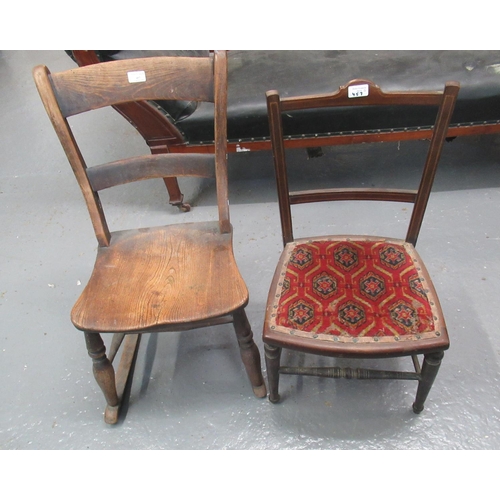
x,y
355,296
155,279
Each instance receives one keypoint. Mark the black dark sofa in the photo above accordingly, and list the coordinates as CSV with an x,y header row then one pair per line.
x,y
186,126
252,73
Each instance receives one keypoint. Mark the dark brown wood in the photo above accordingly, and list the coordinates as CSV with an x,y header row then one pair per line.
x,y
348,373
327,140
430,368
376,98
151,279
273,355
276,129
443,101
158,132
276,337
434,154
338,194
85,57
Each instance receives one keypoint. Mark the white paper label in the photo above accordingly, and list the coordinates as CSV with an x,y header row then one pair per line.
x,y
358,90
136,76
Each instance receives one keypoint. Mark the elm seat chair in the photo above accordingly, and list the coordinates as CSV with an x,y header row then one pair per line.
x,y
355,296
156,279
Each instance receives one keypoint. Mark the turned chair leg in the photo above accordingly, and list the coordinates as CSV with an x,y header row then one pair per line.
x,y
104,372
430,368
273,355
249,353
113,384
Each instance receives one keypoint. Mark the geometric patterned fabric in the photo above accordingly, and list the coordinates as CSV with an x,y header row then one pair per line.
x,y
359,290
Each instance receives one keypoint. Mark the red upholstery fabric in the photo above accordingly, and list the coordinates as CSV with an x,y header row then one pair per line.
x,y
361,290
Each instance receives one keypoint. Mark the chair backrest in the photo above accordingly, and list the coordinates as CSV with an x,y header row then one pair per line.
x,y
360,93
91,87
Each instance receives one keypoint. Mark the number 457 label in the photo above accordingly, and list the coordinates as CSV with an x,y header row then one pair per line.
x,y
358,90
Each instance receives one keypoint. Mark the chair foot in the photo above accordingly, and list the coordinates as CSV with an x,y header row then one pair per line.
x,y
183,207
176,197
417,409
111,414
275,400
261,391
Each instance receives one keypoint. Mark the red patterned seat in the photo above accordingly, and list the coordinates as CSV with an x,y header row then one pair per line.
x,y
356,291
356,296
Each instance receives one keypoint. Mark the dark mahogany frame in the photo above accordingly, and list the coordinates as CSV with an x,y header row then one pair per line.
x,y
274,340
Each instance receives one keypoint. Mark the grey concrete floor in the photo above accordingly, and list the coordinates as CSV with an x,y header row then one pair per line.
x,y
190,391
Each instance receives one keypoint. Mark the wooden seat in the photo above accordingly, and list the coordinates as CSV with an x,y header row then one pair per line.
x,y
151,279
355,296
167,269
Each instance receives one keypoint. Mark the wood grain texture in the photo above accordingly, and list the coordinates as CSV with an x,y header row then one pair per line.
x,y
160,276
220,122
100,85
41,76
150,167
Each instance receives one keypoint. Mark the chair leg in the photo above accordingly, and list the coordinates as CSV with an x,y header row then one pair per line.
x,y
249,353
273,355
176,197
430,368
103,369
